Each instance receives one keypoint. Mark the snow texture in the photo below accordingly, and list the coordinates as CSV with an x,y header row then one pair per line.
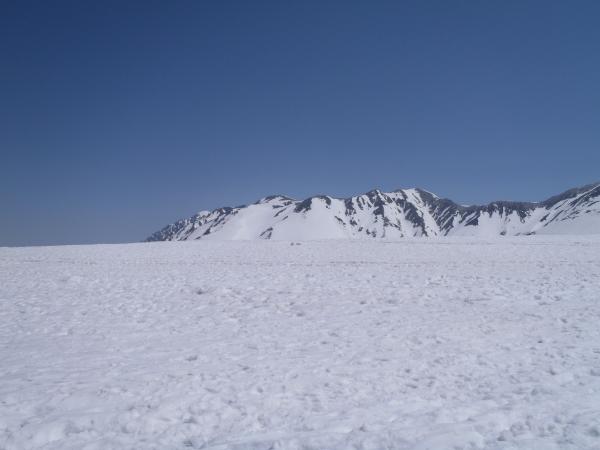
x,y
451,343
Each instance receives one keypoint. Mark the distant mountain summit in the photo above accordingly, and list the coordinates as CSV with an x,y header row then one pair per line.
x,y
390,215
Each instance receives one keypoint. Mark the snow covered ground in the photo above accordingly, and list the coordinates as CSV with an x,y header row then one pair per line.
x,y
417,344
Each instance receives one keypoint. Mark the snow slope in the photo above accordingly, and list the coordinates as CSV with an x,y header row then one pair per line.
x,y
347,344
391,215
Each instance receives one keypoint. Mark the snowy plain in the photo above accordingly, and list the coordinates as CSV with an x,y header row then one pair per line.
x,y
450,343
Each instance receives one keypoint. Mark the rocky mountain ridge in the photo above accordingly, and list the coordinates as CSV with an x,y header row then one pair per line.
x,y
397,214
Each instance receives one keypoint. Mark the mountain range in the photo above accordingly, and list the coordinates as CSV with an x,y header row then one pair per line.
x,y
402,213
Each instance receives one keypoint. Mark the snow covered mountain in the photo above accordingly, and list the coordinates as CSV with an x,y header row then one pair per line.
x,y
401,213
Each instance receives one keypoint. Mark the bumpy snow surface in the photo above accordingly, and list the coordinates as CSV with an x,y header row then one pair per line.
x,y
420,344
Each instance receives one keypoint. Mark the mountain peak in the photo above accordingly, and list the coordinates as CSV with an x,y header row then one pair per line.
x,y
412,212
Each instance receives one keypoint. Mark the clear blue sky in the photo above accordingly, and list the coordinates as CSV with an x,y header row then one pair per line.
x,y
119,117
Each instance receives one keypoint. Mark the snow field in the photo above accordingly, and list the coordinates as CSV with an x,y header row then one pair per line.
x,y
416,344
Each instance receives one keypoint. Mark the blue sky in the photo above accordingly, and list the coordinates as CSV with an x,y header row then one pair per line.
x,y
119,117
